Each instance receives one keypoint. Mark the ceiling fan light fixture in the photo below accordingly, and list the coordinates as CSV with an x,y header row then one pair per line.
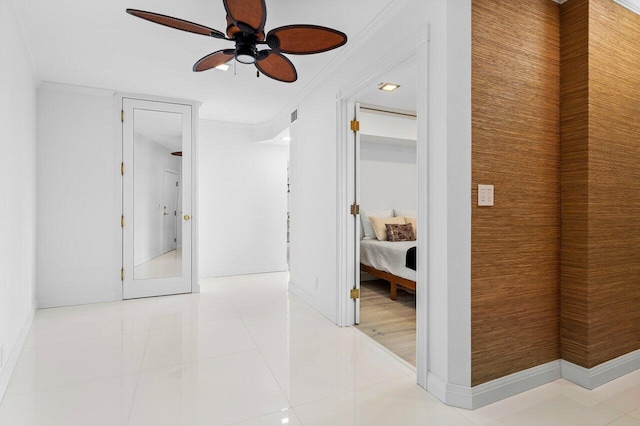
x,y
388,87
246,54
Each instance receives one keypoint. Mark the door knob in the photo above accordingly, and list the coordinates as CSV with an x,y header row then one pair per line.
x,y
187,217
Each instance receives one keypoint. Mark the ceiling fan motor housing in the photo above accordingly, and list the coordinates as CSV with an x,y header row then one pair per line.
x,y
273,41
246,50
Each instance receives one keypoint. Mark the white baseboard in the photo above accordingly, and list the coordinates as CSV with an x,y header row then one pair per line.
x,y
244,270
310,300
7,371
495,390
591,378
56,302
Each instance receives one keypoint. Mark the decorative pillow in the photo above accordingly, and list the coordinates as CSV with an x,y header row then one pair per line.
x,y
400,232
414,222
405,213
378,224
367,230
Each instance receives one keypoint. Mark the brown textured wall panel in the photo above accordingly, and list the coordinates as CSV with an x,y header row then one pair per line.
x,y
614,182
515,146
574,24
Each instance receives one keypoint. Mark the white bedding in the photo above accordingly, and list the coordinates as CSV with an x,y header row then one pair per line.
x,y
387,256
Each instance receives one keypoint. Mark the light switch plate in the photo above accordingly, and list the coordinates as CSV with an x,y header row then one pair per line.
x,y
485,195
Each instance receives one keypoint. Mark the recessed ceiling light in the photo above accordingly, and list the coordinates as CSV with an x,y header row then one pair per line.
x,y
388,87
223,67
632,5
286,138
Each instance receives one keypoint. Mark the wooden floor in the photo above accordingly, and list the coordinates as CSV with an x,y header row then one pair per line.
x,y
390,323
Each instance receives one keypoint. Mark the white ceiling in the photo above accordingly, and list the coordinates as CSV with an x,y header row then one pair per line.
x,y
404,99
96,44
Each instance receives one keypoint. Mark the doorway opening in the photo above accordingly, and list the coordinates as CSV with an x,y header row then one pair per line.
x,y
387,168
350,210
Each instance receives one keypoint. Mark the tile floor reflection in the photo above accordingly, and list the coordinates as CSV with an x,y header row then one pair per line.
x,y
247,352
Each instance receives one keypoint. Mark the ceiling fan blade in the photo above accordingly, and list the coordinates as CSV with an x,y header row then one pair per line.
x,y
232,30
213,60
305,39
252,13
277,66
176,23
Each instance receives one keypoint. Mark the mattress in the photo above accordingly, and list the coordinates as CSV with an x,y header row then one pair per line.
x,y
387,256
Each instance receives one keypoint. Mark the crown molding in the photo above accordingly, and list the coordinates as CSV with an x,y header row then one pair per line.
x,y
23,39
71,88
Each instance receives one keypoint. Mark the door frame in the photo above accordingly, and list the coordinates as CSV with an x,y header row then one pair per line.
x,y
345,250
179,177
119,184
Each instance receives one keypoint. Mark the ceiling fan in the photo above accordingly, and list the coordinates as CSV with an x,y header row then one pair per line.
x,y
245,27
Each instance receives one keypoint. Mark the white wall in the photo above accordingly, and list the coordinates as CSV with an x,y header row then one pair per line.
x,y
314,162
18,200
150,162
78,206
388,174
243,202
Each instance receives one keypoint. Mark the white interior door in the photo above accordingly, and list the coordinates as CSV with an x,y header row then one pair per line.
x,y
157,229
356,217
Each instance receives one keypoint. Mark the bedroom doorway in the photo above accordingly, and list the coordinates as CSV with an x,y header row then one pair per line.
x,y
353,102
386,181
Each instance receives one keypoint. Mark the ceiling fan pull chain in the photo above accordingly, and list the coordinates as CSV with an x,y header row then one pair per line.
x,y
257,74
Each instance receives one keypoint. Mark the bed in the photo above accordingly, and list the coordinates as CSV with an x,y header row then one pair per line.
x,y
388,261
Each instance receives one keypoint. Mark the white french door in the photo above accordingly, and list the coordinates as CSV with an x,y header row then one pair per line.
x,y
156,138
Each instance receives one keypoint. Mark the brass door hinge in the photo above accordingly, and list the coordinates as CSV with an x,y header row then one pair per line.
x,y
122,115
122,168
355,293
121,274
355,209
355,125
122,221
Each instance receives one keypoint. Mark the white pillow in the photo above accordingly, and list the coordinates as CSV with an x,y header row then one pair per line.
x,y
406,213
367,230
379,225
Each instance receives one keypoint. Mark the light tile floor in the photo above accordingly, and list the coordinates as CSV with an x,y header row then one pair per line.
x,y
246,352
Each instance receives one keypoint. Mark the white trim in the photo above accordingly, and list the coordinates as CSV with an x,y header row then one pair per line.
x,y
250,270
423,142
195,202
56,302
7,371
227,124
78,90
308,298
632,5
487,393
591,378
